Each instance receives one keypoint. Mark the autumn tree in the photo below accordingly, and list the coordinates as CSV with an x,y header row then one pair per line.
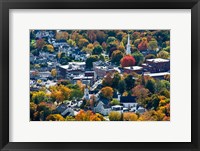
x,y
100,36
153,45
55,117
38,96
40,43
141,93
143,44
71,42
91,35
88,49
153,102
45,109
82,43
116,56
48,48
115,116
121,47
163,54
136,35
127,61
60,93
53,72
62,36
137,42
104,45
151,115
107,92
107,80
88,116
70,118
130,116
33,108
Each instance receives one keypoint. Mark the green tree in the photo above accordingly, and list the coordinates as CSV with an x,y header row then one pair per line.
x,y
115,80
115,102
139,57
97,50
76,93
110,39
121,86
150,85
152,45
130,82
71,42
90,60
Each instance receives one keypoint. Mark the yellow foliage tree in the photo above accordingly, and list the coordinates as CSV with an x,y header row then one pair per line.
x,y
130,116
55,117
115,116
54,72
50,48
60,93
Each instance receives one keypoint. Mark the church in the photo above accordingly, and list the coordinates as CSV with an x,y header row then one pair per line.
x,y
128,46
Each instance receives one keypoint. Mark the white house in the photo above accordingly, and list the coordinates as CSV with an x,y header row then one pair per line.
x,y
128,101
100,108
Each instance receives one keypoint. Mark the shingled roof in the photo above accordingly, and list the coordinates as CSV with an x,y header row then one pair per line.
x,y
127,99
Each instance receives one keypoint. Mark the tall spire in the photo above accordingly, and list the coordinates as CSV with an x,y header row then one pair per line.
x,y
86,93
128,46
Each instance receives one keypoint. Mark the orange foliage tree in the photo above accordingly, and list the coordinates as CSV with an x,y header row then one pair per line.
x,y
88,116
55,117
130,116
143,44
60,93
107,92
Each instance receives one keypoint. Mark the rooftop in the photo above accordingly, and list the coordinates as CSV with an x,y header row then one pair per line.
x,y
134,68
156,60
157,74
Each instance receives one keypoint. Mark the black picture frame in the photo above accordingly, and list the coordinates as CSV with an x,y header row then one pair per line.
x,y
5,5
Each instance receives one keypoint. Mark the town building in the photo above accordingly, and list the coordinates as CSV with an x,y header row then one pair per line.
x,y
159,75
136,69
102,109
128,101
72,68
156,65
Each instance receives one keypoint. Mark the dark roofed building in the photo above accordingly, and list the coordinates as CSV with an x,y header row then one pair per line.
x,y
61,108
128,101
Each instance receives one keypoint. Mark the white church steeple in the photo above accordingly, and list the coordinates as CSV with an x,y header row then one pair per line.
x,y
86,93
128,46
